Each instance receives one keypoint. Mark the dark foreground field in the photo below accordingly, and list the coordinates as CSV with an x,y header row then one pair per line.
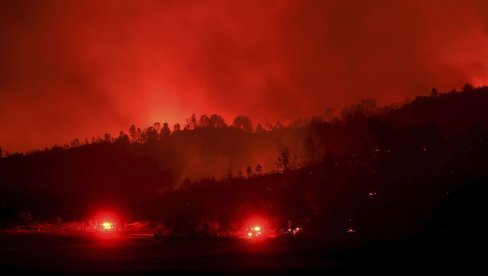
x,y
90,252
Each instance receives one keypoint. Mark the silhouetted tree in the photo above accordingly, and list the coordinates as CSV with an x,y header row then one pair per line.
x,y
107,138
176,127
242,122
217,121
140,135
366,107
284,162
468,88
434,92
157,127
151,135
75,143
191,123
249,171
259,128
133,133
204,121
165,131
258,169
123,138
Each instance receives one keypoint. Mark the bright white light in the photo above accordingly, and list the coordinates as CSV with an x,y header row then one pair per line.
x,y
351,230
107,226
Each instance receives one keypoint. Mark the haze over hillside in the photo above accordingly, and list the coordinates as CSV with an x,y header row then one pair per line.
x,y
134,171
82,68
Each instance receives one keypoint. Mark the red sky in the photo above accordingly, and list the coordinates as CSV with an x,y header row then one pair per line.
x,y
82,68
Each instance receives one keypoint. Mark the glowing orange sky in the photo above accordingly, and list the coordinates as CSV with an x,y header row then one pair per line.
x,y
82,68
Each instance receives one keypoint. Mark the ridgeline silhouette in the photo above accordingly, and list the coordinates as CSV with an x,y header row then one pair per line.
x,y
380,172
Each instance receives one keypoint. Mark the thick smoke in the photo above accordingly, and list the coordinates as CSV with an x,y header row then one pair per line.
x,y
82,68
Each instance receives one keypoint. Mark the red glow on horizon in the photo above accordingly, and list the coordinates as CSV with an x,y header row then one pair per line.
x,y
66,75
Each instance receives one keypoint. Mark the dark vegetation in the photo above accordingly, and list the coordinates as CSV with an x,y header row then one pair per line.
x,y
379,173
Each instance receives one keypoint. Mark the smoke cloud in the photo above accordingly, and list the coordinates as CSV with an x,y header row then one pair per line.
x,y
82,68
